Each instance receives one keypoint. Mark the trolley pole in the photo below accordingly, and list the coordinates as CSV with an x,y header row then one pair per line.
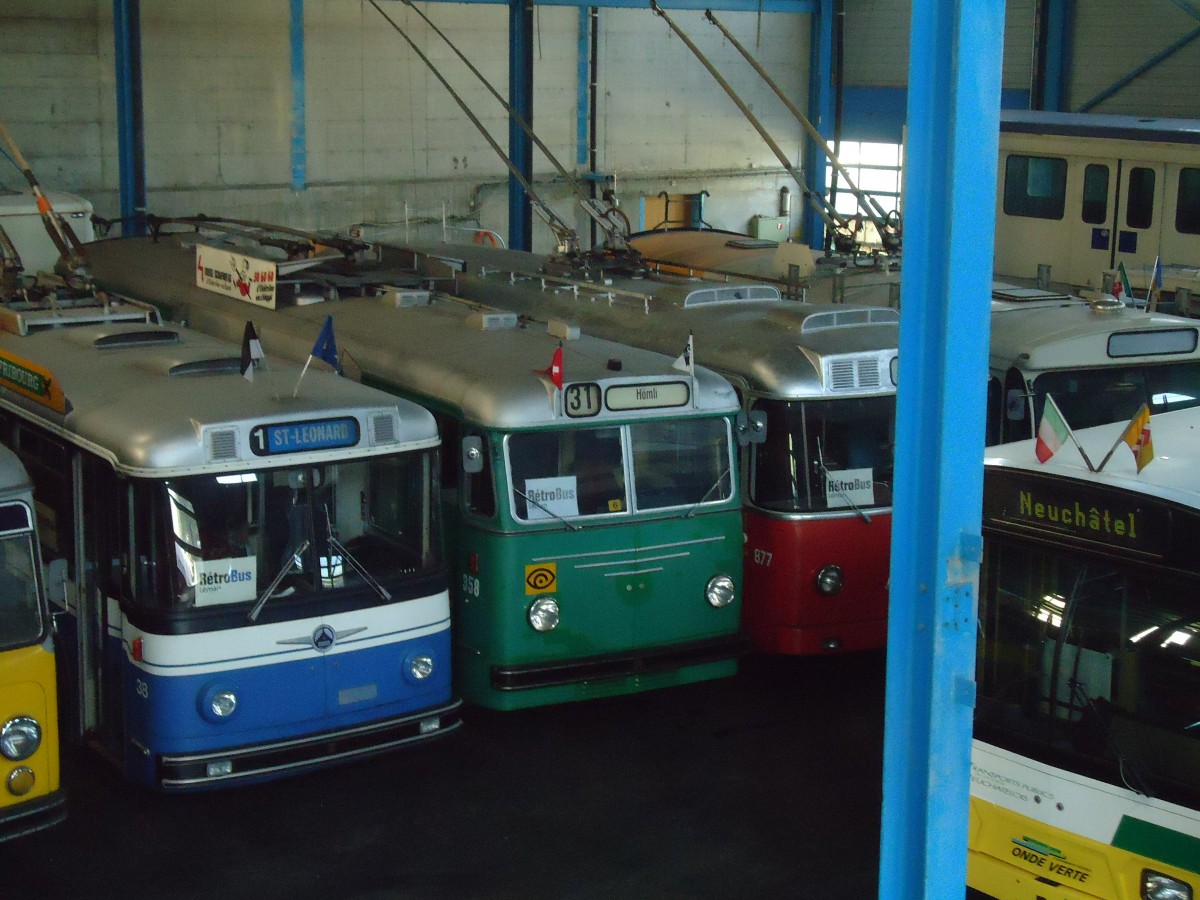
x,y
953,136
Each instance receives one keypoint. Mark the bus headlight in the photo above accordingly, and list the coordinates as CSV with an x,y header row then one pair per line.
x,y
543,614
420,667
20,738
223,704
719,591
1157,886
829,580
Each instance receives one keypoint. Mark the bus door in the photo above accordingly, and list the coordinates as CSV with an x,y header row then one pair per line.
x,y
1139,220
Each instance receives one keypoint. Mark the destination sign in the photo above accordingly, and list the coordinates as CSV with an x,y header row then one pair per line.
x,y
31,380
1083,512
299,437
236,275
657,395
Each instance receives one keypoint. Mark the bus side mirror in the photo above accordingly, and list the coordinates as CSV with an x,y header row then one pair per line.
x,y
751,427
54,577
1014,408
472,454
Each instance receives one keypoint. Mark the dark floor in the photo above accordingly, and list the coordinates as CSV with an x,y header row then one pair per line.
x,y
764,785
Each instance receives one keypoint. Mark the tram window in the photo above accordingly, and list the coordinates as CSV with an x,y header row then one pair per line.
x,y
681,461
1139,204
1035,186
1094,209
1187,202
576,472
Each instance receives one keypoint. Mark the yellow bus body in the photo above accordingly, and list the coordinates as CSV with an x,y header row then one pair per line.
x,y
27,688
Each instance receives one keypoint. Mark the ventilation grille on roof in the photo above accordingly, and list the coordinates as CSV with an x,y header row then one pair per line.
x,y
842,318
228,366
135,339
853,374
384,429
730,293
222,445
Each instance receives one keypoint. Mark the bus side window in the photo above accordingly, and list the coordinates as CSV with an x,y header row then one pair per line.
x,y
1016,425
478,490
995,412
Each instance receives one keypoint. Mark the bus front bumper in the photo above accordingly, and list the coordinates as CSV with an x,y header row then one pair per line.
x,y
619,665
32,815
274,759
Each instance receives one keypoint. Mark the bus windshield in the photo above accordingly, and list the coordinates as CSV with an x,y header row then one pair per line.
x,y
573,472
822,455
20,606
230,535
1093,665
1089,397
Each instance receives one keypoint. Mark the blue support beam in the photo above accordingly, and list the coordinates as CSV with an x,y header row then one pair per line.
x,y
520,98
299,121
1139,70
953,136
820,113
1052,54
131,140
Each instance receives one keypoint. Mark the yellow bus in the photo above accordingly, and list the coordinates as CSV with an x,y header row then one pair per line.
x,y
29,760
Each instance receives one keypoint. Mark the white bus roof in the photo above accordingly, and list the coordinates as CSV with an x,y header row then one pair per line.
x,y
160,401
1171,475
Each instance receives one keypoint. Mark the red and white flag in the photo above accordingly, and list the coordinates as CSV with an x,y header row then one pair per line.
x,y
555,371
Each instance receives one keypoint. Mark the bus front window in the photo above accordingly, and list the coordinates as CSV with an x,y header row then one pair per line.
x,y
567,473
20,608
825,454
1089,397
680,462
323,526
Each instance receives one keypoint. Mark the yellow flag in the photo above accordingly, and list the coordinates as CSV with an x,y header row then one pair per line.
x,y
1137,436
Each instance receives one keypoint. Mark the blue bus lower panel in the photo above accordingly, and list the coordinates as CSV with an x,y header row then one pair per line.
x,y
619,665
32,815
276,758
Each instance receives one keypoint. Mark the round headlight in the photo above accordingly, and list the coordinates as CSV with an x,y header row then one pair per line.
x,y
829,580
719,592
20,738
420,667
20,781
224,703
543,614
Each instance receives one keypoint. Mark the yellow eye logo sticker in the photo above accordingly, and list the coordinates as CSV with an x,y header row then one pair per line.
x,y
541,577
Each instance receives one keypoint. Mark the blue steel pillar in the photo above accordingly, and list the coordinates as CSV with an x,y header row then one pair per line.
x,y
131,142
820,113
950,185
1053,54
299,109
520,147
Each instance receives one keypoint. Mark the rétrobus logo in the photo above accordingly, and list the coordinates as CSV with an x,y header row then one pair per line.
x,y
550,495
849,484
233,576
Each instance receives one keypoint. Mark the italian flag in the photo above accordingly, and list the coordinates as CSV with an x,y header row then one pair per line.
x,y
1052,432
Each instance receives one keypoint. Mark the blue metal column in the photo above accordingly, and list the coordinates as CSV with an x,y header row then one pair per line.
x,y
1053,54
299,120
953,127
820,113
131,138
520,147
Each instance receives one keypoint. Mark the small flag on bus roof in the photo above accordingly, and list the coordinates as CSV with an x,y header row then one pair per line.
x,y
326,346
1137,436
1052,432
252,351
1125,294
687,359
555,371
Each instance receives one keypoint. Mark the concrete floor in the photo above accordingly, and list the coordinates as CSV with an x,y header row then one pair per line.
x,y
761,786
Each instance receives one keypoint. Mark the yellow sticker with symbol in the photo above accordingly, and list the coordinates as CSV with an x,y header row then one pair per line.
x,y
541,577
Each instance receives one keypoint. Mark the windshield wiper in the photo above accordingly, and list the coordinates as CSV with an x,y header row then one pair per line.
x,y
720,478
549,512
287,567
335,544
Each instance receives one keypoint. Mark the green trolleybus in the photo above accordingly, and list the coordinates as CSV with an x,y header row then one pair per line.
x,y
1086,762
590,488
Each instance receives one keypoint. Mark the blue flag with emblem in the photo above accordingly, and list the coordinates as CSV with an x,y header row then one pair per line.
x,y
326,346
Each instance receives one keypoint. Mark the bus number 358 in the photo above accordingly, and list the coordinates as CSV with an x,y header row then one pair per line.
x,y
470,586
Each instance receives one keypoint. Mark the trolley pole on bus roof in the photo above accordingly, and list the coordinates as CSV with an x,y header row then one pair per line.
x,y
953,136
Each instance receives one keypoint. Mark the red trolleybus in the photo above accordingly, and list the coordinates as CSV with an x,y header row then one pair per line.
x,y
821,379
1085,776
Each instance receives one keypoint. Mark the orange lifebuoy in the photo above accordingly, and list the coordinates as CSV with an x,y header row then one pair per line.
x,y
481,236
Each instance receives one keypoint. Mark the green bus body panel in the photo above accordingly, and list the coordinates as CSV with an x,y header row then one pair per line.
x,y
621,588
1155,842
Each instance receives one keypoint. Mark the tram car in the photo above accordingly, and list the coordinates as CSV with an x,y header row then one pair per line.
x,y
32,798
590,489
249,569
1085,775
1087,193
